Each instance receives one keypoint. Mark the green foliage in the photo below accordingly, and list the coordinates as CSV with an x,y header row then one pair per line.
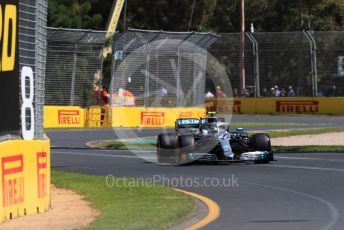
x,y
173,15
279,15
214,15
73,14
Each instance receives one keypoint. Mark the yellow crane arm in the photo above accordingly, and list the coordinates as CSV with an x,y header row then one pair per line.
x,y
116,13
112,24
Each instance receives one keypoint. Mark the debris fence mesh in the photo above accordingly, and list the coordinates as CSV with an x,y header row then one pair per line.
x,y
159,68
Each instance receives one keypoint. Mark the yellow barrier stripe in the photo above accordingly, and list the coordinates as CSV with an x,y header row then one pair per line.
x,y
213,210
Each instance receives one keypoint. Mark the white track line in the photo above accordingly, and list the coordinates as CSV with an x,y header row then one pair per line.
x,y
105,150
103,155
310,158
305,167
334,213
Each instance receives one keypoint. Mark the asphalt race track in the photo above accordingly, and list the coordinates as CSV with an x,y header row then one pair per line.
x,y
298,191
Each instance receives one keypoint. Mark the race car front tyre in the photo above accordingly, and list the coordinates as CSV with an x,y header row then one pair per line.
x,y
261,142
185,147
166,145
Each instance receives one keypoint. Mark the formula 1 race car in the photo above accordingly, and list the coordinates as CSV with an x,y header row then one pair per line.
x,y
210,139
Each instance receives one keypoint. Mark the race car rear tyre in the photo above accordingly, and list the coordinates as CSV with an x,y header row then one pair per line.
x,y
166,145
185,146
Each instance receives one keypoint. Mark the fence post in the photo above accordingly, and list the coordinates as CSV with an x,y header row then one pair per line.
x,y
197,57
313,53
196,60
178,75
148,58
100,77
146,92
179,63
255,63
41,58
314,59
75,59
198,97
146,96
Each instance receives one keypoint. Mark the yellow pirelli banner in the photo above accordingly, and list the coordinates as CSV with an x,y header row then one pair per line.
x,y
152,117
25,178
64,117
278,105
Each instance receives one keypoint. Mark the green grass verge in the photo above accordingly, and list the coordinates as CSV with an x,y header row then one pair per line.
x,y
129,204
282,115
121,145
139,146
243,125
305,149
233,124
296,132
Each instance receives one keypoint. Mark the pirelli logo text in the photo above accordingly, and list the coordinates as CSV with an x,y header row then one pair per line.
x,y
185,115
152,118
69,117
42,174
226,107
297,106
12,180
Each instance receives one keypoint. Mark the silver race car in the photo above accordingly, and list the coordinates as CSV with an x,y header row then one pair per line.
x,y
210,139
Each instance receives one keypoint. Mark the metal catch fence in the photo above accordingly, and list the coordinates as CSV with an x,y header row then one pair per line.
x,y
32,52
159,68
74,66
311,63
329,61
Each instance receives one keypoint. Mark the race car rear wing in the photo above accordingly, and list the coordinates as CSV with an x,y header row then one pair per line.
x,y
187,123
192,123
